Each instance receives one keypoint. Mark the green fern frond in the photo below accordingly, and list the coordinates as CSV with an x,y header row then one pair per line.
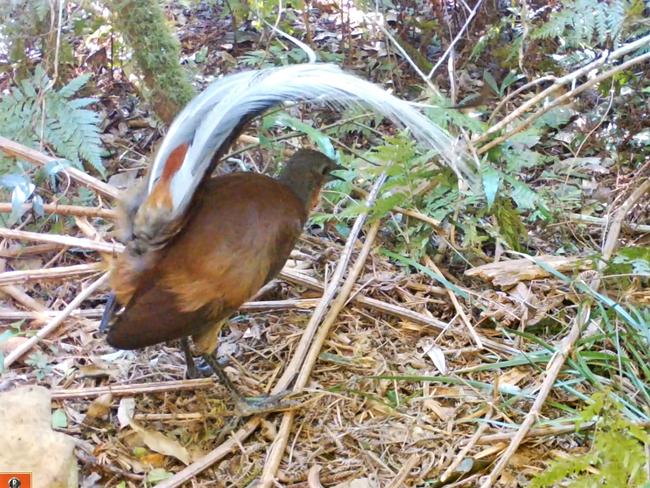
x,y
586,22
34,114
617,457
74,86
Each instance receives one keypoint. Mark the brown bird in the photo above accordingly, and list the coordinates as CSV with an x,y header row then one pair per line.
x,y
238,236
198,247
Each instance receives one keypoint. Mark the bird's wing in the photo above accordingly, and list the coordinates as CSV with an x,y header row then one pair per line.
x,y
238,238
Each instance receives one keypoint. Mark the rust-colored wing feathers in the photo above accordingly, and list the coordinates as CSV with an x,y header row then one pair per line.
x,y
234,241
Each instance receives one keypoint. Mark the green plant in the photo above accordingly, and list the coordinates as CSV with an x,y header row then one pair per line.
x,y
617,457
590,22
275,55
36,114
40,363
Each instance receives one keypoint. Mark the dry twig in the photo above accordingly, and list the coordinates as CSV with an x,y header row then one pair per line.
x,y
14,277
55,208
409,465
25,153
50,327
564,80
561,100
279,444
134,389
67,241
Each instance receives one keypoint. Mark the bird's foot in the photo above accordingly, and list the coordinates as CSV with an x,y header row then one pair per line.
x,y
257,405
198,368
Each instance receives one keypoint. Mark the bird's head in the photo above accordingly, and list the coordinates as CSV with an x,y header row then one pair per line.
x,y
306,172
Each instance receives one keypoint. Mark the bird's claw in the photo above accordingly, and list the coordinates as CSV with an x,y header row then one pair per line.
x,y
199,368
257,405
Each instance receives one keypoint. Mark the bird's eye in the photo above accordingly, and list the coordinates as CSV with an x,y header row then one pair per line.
x,y
324,170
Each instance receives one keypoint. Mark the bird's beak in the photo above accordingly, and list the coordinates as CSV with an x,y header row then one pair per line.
x,y
333,177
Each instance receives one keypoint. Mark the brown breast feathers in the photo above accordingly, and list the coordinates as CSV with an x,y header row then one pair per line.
x,y
239,235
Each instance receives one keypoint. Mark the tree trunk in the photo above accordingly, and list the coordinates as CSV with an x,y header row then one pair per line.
x,y
156,52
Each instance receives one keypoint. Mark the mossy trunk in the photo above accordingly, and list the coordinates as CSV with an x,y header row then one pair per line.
x,y
156,52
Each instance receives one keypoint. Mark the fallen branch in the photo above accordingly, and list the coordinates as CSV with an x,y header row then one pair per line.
x,y
23,298
560,82
67,241
590,219
510,272
274,456
134,389
14,277
256,306
17,251
569,95
372,303
55,208
51,327
32,156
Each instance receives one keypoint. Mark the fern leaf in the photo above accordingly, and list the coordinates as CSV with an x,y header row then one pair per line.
x,y
74,86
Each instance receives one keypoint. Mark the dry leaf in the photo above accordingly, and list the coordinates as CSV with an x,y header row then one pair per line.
x,y
99,408
438,357
381,408
125,411
10,344
313,478
513,376
154,459
95,371
491,451
434,353
443,413
162,444
268,430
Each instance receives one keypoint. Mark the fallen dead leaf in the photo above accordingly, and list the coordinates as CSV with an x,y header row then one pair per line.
x,y
155,459
162,444
125,411
434,353
95,371
443,413
513,376
99,409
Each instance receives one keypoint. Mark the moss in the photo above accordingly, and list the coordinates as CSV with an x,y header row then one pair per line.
x,y
157,54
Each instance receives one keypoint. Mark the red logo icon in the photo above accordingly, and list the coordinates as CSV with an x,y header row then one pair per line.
x,y
15,480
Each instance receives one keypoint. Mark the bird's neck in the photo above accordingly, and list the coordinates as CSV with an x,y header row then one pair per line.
x,y
307,193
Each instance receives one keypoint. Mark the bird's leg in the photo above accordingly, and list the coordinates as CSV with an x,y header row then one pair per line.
x,y
194,368
109,308
248,405
191,369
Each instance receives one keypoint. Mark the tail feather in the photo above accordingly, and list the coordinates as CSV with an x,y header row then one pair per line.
x,y
213,119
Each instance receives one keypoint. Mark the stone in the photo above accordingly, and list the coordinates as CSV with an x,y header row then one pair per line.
x,y
28,442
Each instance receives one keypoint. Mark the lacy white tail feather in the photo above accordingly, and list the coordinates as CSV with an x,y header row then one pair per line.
x,y
209,121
